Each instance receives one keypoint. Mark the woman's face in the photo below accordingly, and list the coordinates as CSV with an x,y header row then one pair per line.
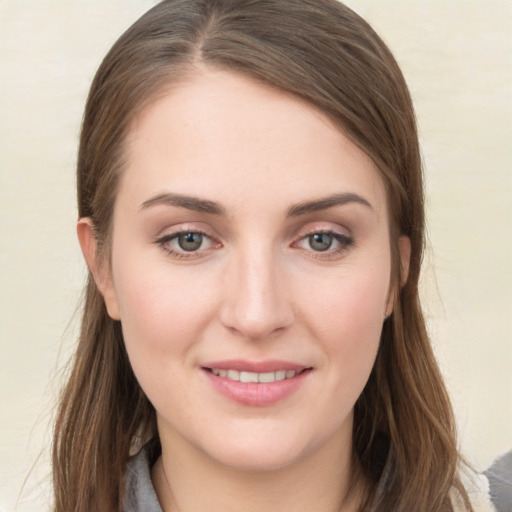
x,y
250,269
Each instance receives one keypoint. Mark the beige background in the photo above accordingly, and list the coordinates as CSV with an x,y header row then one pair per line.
x,y
456,55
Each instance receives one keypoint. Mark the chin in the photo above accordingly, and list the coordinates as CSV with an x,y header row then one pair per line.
x,y
257,460
259,453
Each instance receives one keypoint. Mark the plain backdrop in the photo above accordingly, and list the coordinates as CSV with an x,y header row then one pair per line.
x,y
457,58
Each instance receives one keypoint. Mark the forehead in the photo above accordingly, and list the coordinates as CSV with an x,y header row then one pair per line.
x,y
223,134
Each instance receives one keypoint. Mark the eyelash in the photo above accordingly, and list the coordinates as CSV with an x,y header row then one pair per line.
x,y
344,242
165,241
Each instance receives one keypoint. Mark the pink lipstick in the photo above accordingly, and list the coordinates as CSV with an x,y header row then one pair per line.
x,y
256,384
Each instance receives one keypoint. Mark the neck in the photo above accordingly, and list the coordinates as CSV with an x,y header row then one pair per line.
x,y
187,480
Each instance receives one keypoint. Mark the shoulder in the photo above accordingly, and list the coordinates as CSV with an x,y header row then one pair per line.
x,y
139,492
500,483
490,491
477,488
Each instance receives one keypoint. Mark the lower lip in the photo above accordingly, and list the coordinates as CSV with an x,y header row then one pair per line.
x,y
256,394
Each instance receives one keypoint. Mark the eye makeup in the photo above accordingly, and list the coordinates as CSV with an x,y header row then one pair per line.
x,y
187,244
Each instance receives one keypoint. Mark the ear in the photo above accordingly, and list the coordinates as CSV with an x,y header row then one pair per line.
x,y
404,250
99,269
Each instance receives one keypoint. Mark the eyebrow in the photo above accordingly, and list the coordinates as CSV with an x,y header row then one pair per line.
x,y
205,206
327,202
188,202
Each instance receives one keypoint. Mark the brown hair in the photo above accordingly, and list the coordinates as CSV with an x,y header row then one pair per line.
x,y
321,51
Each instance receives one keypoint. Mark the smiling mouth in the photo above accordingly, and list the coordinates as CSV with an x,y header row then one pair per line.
x,y
254,377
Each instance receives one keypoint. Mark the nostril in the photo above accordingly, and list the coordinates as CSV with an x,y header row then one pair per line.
x,y
256,304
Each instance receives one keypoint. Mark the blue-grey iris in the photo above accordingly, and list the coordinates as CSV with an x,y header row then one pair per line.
x,y
190,241
320,241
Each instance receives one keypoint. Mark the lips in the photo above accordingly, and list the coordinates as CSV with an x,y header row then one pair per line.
x,y
256,384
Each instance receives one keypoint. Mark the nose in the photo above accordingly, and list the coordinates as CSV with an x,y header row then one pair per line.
x,y
256,304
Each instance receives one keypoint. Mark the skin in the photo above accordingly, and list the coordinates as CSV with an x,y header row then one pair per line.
x,y
256,289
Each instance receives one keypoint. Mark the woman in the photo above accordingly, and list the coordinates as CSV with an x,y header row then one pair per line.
x,y
251,211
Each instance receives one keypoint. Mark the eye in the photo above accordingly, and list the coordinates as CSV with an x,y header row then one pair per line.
x,y
186,244
325,243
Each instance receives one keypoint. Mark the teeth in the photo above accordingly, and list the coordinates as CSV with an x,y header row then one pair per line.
x,y
267,377
248,377
281,375
220,373
233,375
253,376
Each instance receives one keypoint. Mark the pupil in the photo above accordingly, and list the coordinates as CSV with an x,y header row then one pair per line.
x,y
190,241
320,241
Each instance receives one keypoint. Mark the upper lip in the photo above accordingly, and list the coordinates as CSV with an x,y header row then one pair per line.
x,y
255,366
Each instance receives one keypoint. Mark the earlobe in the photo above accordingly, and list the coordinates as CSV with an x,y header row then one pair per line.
x,y
99,270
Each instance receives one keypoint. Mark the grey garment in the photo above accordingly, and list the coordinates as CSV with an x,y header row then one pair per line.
x,y
140,495
500,483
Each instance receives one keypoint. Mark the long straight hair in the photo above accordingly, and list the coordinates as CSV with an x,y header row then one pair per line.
x,y
320,51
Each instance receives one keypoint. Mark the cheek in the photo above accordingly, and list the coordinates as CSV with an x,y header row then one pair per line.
x,y
349,304
347,317
163,319
162,310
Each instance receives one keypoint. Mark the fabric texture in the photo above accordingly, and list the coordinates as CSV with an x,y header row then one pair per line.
x,y
489,492
500,483
140,495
